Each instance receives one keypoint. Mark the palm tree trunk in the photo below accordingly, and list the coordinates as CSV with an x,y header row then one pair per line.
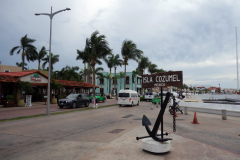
x,y
39,65
132,84
93,81
115,81
84,72
88,73
120,83
110,83
23,60
124,77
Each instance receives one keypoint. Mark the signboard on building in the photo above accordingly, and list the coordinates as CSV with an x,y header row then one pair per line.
x,y
171,78
35,78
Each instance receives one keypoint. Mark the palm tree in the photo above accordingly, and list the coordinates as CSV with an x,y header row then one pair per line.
x,y
97,47
55,85
107,77
134,74
20,65
61,74
54,59
27,49
110,63
143,64
24,86
40,56
121,76
71,73
129,51
160,70
54,75
100,77
116,62
83,55
152,68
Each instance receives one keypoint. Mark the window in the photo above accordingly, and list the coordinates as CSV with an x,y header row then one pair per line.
x,y
139,80
123,95
101,81
127,80
114,81
6,70
134,95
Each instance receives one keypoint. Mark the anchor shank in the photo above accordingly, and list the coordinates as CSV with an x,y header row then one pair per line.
x,y
160,116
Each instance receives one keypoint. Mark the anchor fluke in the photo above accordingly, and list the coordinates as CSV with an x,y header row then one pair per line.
x,y
145,121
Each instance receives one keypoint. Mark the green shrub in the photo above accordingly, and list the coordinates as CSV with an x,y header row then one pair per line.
x,y
142,99
10,98
60,96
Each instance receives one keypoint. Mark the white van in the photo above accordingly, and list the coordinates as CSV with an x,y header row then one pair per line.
x,y
128,97
149,96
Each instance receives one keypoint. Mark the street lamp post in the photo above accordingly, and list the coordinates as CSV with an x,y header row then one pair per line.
x,y
49,60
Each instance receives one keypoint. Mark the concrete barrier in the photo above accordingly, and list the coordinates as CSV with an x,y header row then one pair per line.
x,y
221,109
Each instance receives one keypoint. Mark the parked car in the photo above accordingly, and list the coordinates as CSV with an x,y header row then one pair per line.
x,y
99,97
74,100
149,96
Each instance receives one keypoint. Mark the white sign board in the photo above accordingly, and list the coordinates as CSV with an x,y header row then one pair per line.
x,y
28,101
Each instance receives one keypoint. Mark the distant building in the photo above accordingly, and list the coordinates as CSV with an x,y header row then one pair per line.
x,y
104,83
6,68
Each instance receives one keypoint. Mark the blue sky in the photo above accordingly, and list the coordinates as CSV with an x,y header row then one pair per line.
x,y
197,37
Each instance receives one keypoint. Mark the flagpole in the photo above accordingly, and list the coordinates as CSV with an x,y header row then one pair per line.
x,y
237,62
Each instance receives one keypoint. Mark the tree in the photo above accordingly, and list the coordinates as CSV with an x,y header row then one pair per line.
x,y
61,74
152,68
129,51
107,77
100,77
160,70
121,76
143,64
20,65
24,86
71,73
40,56
83,55
97,47
55,85
110,64
134,74
27,49
54,60
116,62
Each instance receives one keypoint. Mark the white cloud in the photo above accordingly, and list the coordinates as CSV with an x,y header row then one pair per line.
x,y
197,37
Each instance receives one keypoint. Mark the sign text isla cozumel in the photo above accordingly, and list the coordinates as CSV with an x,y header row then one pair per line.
x,y
172,78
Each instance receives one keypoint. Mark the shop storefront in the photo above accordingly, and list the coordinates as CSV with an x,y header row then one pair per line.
x,y
39,82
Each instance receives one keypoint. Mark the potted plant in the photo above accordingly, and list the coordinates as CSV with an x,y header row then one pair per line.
x,y
24,87
10,101
55,85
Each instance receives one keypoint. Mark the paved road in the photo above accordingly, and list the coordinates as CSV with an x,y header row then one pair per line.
x,y
40,108
109,133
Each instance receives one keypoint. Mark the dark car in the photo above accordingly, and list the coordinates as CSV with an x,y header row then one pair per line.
x,y
74,100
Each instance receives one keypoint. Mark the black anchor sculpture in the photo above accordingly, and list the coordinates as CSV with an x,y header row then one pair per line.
x,y
146,123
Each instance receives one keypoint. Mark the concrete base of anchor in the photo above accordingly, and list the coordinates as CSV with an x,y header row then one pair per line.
x,y
153,146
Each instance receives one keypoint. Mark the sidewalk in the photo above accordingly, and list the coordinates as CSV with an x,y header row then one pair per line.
x,y
187,144
38,108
